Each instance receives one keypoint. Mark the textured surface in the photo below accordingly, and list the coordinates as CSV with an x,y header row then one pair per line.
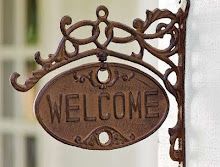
x,y
203,84
76,107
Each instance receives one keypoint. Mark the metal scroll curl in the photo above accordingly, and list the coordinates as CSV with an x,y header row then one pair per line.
x,y
176,28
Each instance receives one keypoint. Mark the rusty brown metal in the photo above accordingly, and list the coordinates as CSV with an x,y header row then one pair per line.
x,y
75,107
176,28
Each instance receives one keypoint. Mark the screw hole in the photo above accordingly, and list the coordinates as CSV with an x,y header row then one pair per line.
x,y
104,138
103,75
101,13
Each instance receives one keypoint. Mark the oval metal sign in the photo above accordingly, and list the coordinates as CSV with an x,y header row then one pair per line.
x,y
78,106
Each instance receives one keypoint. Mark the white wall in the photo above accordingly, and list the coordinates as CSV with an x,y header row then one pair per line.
x,y
203,84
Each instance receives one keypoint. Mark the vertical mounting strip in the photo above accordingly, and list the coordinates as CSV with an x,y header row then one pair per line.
x,y
86,77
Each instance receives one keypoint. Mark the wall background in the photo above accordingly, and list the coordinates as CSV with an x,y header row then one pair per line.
x,y
203,84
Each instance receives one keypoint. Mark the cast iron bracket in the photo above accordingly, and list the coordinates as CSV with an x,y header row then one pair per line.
x,y
176,28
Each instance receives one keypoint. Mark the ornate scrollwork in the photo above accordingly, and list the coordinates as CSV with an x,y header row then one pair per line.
x,y
115,138
138,33
175,28
92,77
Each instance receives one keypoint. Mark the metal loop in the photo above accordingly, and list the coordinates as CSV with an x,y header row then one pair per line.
x,y
102,9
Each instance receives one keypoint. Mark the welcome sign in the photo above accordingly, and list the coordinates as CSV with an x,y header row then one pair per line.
x,y
79,105
75,107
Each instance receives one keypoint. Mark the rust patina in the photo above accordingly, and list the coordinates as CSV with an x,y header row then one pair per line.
x,y
76,107
124,108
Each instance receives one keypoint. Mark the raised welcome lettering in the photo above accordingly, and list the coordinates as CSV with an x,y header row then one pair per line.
x,y
55,109
76,107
